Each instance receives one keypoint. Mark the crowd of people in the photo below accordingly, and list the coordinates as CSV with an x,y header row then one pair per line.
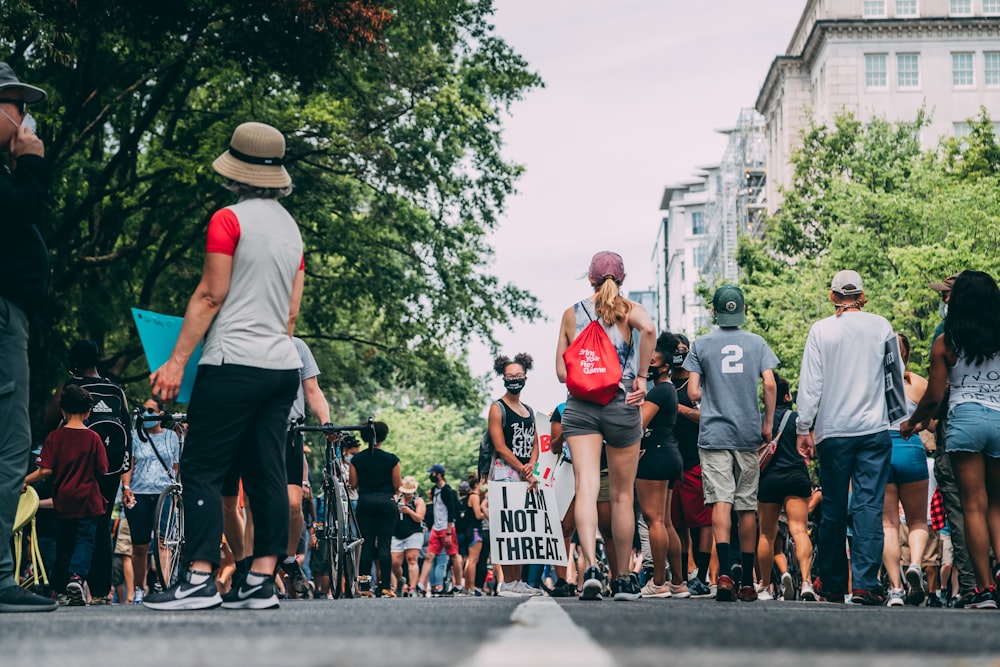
x,y
695,476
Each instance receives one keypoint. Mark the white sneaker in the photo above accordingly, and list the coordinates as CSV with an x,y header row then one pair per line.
x,y
679,591
787,587
651,590
523,587
808,594
764,592
896,598
510,590
137,596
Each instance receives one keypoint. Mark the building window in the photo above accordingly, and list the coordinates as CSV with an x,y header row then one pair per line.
x,y
875,76
699,257
961,69
907,7
683,272
991,7
962,130
991,70
873,8
697,223
908,70
683,304
960,7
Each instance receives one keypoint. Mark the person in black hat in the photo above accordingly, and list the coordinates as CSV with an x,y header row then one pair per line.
x,y
24,271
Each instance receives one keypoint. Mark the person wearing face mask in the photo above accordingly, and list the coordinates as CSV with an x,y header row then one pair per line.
x,y
154,467
688,513
24,275
516,446
443,537
659,467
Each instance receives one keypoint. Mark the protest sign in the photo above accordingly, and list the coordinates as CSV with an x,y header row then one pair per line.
x,y
524,525
158,334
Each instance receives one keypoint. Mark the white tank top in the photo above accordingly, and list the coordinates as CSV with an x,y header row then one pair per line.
x,y
975,384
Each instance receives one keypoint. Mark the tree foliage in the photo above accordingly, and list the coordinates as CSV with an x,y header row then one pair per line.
x,y
866,197
392,113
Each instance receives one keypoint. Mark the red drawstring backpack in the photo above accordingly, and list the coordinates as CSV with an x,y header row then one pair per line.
x,y
593,372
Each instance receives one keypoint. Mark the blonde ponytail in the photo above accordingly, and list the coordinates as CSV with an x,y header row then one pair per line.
x,y
610,305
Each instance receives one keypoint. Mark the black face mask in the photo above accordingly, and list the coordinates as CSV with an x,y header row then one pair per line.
x,y
652,374
514,386
678,359
433,478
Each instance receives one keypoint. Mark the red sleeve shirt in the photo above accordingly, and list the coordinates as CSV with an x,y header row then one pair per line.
x,y
77,459
224,234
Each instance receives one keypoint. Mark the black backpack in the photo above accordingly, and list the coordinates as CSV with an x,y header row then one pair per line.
x,y
487,452
109,418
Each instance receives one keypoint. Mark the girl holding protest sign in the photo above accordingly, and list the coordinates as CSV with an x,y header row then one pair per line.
x,y
618,423
512,430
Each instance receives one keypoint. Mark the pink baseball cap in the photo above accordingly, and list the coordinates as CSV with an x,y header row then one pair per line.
x,y
607,263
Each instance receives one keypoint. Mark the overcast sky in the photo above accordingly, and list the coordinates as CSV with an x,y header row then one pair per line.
x,y
634,93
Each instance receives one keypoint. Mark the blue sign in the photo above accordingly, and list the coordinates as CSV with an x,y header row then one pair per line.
x,y
158,334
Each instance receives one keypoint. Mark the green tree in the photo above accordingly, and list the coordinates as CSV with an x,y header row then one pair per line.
x,y
392,112
866,197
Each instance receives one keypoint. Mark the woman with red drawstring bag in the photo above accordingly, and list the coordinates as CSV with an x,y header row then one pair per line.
x,y
604,341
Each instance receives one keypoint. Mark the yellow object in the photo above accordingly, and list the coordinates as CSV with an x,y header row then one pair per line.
x,y
27,506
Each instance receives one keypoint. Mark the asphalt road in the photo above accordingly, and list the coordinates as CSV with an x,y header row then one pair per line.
x,y
443,631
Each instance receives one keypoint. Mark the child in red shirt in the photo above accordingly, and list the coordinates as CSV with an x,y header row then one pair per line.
x,y
74,457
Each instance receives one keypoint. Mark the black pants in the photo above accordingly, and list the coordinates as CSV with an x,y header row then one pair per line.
x,y
237,414
99,579
377,516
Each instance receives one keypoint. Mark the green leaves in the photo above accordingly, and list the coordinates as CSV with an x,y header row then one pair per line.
x,y
391,113
866,197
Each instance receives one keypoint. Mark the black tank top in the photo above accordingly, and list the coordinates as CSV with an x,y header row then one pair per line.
x,y
406,525
466,517
519,432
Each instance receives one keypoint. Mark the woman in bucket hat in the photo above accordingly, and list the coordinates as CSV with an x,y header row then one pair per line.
x,y
245,308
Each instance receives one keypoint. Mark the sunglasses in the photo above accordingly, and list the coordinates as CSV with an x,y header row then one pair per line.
x,y
20,104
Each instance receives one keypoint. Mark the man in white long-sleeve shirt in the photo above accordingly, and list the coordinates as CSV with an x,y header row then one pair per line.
x,y
842,386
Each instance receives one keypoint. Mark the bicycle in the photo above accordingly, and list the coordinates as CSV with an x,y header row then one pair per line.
x,y
169,516
337,530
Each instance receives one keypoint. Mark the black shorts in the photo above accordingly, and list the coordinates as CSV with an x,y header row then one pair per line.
x,y
776,485
659,462
142,517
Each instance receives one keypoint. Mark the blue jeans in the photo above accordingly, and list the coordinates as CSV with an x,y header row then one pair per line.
x,y
79,538
860,464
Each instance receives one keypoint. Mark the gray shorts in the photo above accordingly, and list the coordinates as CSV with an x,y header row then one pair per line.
x,y
730,476
620,424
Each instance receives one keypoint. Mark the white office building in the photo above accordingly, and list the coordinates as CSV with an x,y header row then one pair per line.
x,y
883,58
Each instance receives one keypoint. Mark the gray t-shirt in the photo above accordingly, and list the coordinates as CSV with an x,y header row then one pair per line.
x,y
440,511
730,362
309,370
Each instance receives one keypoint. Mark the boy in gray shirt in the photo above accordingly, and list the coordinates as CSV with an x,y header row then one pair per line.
x,y
728,362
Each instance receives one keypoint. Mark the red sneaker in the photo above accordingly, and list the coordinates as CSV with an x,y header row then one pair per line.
x,y
726,589
748,594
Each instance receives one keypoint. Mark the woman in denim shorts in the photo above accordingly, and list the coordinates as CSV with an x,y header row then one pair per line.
x,y
618,424
966,361
908,481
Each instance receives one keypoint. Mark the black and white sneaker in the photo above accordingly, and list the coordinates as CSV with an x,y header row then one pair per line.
x,y
74,592
626,587
185,595
16,599
259,596
296,576
593,584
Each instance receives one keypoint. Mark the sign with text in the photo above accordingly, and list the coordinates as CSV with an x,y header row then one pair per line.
x,y
524,525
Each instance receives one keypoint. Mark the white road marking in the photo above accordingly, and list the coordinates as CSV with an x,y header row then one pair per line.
x,y
540,633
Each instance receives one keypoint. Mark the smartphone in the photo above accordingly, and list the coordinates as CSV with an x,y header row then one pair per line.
x,y
29,122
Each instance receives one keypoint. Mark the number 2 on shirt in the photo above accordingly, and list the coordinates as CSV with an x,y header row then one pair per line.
x,y
731,356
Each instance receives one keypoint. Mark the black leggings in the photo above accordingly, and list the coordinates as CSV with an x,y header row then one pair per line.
x,y
239,416
377,516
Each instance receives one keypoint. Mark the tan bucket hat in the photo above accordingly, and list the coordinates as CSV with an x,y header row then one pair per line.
x,y
409,485
255,157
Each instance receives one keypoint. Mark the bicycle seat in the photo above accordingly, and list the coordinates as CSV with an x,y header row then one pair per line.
x,y
27,505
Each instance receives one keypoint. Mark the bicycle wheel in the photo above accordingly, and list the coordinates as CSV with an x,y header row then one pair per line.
x,y
169,536
347,532
333,542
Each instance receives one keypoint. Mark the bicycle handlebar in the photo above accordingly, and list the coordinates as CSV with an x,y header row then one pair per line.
x,y
366,430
